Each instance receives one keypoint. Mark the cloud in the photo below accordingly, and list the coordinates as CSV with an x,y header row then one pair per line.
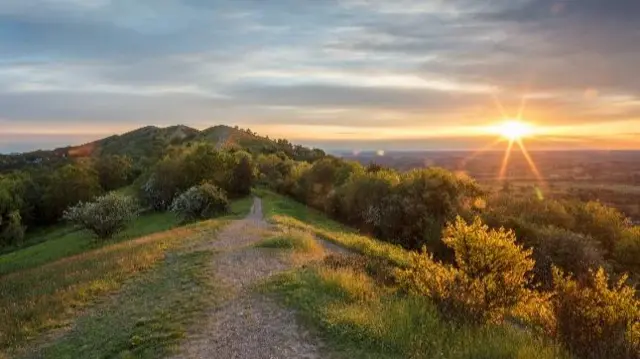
x,y
116,64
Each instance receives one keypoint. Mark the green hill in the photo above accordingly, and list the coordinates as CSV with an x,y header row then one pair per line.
x,y
150,143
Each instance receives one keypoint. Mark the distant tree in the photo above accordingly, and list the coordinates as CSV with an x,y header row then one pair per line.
x,y
11,205
243,174
114,171
69,185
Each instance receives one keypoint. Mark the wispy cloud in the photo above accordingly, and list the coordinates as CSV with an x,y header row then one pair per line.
x,y
345,64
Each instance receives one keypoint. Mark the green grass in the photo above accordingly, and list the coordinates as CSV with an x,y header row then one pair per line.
x,y
50,290
295,240
286,212
62,242
148,319
359,318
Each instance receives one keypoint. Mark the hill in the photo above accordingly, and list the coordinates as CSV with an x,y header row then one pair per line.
x,y
150,143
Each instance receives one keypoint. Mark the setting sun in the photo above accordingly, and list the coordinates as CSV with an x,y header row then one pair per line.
x,y
515,129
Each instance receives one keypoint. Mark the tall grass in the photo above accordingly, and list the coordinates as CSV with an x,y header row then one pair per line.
x,y
361,319
289,213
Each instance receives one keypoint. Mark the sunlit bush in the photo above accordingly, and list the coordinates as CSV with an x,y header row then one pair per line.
x,y
106,216
596,320
200,202
489,279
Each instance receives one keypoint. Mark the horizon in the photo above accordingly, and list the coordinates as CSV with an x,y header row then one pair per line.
x,y
332,74
337,147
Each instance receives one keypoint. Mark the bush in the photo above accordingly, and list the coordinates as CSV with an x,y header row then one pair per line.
x,y
596,320
11,229
200,202
106,216
571,252
489,280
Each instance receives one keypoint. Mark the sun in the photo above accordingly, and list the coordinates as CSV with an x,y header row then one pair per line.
x,y
514,130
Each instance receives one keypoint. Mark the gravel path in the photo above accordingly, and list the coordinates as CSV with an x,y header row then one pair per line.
x,y
247,325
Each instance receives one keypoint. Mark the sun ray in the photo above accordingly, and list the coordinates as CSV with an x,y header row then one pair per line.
x,y
530,161
482,150
505,161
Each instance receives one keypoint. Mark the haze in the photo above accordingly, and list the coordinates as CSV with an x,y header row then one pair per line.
x,y
362,74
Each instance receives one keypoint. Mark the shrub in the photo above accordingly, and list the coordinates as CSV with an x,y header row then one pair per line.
x,y
490,277
596,320
200,202
11,229
571,252
106,216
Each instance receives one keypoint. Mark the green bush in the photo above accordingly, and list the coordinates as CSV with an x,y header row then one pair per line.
x,y
489,280
106,216
596,320
572,252
200,202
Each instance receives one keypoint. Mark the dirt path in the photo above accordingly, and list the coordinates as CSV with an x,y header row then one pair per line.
x,y
247,325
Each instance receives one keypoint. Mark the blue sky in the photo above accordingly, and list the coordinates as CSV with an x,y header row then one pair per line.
x,y
334,73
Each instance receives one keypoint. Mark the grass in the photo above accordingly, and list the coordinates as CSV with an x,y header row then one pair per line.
x,y
148,319
62,242
358,318
39,297
295,240
286,212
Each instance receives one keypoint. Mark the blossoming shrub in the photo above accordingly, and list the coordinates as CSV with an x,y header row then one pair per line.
x,y
595,319
488,281
105,216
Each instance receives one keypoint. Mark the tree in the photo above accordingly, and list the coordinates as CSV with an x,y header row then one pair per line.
x,y
114,171
11,205
69,185
242,175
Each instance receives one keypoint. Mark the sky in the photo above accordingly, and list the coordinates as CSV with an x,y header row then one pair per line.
x,y
364,74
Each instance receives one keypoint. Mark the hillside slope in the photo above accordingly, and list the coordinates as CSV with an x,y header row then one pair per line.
x,y
148,142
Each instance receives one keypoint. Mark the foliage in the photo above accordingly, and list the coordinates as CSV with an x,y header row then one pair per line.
x,y
242,174
596,320
106,216
114,171
490,277
200,202
360,319
69,185
11,205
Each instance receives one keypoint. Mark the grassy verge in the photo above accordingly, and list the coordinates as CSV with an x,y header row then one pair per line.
x,y
36,300
62,242
289,213
295,240
358,318
148,319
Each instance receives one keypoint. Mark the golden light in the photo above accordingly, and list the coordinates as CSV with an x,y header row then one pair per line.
x,y
514,130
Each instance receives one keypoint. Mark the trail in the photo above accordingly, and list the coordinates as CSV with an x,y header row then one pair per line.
x,y
247,325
